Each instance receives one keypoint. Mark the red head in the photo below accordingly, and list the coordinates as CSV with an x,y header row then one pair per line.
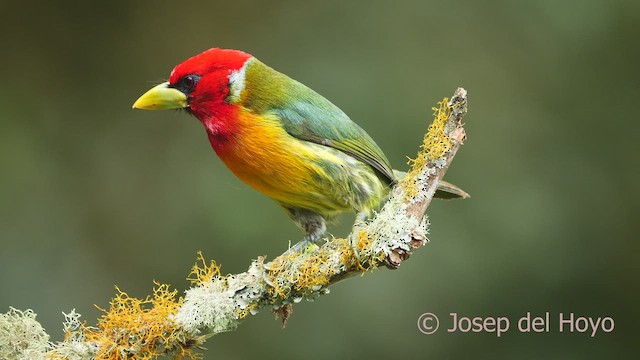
x,y
206,85
205,80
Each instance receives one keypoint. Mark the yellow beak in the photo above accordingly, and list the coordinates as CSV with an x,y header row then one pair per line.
x,y
161,97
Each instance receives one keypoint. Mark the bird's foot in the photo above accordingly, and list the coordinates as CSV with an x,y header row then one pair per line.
x,y
305,243
300,247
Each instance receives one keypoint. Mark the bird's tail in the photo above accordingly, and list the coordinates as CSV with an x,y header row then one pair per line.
x,y
446,190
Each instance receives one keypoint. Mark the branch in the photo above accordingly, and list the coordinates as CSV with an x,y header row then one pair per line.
x,y
160,324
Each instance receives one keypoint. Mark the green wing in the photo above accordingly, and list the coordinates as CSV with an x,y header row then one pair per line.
x,y
334,129
308,116
317,120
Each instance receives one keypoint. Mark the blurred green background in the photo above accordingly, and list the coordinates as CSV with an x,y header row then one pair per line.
x,y
94,194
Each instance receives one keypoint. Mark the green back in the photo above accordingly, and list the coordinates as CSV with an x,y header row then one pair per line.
x,y
308,116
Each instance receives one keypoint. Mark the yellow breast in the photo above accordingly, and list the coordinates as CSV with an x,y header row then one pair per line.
x,y
281,166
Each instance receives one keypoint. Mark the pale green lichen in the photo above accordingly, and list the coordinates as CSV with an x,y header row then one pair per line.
x,y
21,336
218,303
393,228
209,307
294,276
75,345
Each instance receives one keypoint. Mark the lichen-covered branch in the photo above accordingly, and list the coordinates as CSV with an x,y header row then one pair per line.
x,y
216,303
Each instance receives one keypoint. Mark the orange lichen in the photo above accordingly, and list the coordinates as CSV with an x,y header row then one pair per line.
x,y
307,272
363,244
278,274
434,146
141,329
347,255
299,272
203,273
312,272
243,313
364,241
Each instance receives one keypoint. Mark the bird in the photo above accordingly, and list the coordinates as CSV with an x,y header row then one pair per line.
x,y
282,138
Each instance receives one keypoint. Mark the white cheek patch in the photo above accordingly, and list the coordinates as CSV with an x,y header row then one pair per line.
x,y
237,82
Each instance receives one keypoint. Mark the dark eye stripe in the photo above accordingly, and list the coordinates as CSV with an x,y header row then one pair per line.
x,y
187,83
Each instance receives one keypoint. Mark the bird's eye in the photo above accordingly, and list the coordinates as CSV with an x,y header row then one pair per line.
x,y
189,82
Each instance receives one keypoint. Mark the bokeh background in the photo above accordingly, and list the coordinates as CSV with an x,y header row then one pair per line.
x,y
94,194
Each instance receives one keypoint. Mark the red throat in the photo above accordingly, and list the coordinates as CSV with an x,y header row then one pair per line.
x,y
222,127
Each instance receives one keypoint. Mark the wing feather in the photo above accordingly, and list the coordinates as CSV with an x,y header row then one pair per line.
x,y
331,127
